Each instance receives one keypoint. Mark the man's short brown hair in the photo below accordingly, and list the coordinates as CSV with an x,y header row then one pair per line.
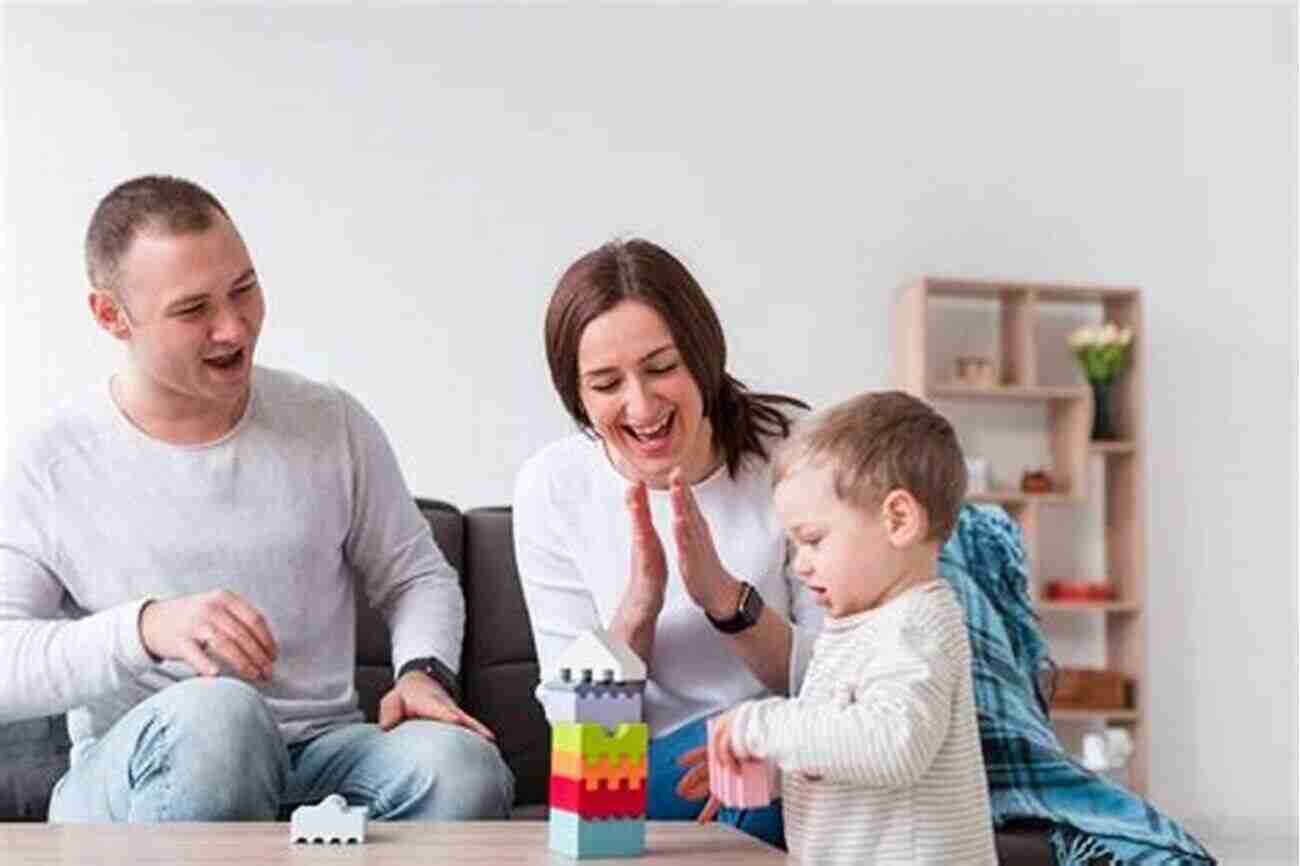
x,y
156,203
879,442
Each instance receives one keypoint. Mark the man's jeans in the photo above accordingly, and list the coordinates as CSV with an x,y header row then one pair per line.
x,y
208,750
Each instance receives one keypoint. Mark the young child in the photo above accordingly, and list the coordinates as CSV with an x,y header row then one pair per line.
x,y
880,752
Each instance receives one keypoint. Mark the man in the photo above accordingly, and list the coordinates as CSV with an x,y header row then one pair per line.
x,y
177,551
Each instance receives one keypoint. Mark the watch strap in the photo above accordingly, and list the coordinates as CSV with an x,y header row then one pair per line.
x,y
435,670
748,608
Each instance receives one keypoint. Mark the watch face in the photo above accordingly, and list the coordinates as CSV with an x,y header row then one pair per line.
x,y
747,612
752,606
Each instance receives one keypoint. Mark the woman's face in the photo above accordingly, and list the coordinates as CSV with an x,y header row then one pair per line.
x,y
640,397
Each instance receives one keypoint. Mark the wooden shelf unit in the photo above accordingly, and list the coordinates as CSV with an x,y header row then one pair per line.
x,y
1007,392
1062,714
1076,607
1069,412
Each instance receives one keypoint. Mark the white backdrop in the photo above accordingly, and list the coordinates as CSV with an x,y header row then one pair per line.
x,y
412,181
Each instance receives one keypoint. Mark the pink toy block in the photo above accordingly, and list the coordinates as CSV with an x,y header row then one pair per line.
x,y
751,788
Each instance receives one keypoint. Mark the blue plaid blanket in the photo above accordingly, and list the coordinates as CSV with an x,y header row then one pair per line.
x,y
1031,776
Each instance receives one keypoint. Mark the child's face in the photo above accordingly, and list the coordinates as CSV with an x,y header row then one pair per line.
x,y
845,555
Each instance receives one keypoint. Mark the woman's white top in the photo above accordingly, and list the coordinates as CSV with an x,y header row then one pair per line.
x,y
573,544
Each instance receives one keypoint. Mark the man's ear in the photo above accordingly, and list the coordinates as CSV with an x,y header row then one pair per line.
x,y
905,520
109,313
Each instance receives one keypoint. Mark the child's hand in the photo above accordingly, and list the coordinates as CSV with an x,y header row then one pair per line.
x,y
720,746
721,755
695,782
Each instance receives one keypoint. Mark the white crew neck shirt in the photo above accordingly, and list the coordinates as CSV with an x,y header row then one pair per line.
x,y
573,547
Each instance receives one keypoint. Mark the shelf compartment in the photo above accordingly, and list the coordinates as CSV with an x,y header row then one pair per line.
x,y
1126,446
1116,607
1061,714
1064,293
1016,497
1007,392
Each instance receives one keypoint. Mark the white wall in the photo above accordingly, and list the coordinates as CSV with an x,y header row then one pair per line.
x,y
411,182
6,279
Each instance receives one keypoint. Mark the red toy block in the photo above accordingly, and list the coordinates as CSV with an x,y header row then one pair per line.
x,y
751,788
601,801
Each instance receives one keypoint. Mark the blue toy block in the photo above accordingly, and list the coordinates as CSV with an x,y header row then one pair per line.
x,y
609,705
580,839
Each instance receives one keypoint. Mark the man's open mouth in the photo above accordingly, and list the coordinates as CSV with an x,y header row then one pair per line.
x,y
226,362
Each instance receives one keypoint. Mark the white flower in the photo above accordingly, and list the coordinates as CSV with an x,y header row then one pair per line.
x,y
1100,336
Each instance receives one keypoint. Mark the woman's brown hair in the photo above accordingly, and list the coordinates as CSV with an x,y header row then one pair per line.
x,y
641,271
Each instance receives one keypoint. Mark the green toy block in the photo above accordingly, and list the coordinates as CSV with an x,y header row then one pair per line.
x,y
630,741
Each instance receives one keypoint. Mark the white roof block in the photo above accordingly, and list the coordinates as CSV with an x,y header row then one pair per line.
x,y
600,656
330,820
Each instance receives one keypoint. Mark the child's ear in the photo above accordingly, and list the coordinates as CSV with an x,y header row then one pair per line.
x,y
109,314
905,519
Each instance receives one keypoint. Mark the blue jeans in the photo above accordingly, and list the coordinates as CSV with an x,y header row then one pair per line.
x,y
663,804
209,750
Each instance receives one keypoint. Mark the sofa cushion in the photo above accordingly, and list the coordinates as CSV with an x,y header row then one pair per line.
x,y
499,661
33,755
374,675
1024,844
498,670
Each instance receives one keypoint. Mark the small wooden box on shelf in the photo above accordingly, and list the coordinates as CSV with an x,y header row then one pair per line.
x,y
1069,413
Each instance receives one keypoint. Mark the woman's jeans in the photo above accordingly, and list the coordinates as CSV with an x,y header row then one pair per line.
x,y
209,750
664,804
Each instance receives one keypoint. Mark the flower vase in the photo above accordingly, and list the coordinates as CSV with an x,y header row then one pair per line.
x,y
1102,427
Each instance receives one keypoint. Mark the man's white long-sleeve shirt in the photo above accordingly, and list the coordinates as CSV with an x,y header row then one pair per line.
x,y
302,494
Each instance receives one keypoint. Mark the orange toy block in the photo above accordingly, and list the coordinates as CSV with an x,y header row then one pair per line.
x,y
571,765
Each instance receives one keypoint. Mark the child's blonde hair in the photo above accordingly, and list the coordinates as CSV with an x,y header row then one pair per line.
x,y
879,442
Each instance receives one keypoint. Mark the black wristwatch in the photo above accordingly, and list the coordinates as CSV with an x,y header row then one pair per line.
x,y
748,610
436,671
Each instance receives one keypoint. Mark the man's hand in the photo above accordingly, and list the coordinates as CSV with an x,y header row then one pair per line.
x,y
210,626
418,696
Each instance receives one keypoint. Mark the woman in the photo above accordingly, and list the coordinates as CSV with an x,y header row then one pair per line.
x,y
656,521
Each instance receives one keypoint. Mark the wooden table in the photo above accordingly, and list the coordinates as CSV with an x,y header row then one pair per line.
x,y
462,843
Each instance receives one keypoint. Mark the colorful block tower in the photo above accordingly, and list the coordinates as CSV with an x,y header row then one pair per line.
x,y
599,748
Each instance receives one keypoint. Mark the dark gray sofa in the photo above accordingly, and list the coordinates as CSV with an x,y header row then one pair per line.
x,y
498,671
